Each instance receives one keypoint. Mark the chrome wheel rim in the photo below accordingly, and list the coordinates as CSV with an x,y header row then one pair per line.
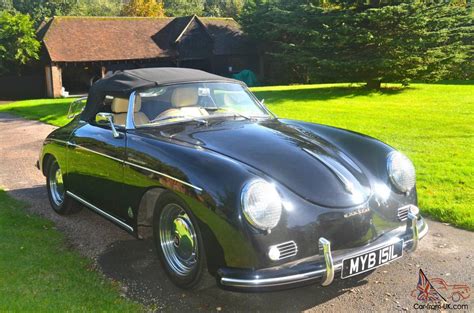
x,y
56,185
178,240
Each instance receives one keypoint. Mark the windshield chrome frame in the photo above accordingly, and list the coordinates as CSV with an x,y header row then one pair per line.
x,y
130,123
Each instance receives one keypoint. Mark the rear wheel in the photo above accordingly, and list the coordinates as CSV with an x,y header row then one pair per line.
x,y
178,242
59,200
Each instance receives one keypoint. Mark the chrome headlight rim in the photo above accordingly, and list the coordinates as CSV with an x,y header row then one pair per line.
x,y
391,171
246,210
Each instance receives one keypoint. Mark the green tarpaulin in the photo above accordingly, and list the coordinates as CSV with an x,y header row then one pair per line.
x,y
247,76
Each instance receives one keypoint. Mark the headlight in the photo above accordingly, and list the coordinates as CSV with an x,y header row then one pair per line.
x,y
261,204
401,171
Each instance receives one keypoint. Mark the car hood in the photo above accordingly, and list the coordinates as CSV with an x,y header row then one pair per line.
x,y
303,162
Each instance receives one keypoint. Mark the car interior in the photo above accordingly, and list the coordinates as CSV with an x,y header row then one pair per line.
x,y
173,103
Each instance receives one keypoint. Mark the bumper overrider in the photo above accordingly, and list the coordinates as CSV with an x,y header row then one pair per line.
x,y
322,267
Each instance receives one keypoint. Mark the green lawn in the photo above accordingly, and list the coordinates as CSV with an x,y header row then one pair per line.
x,y
38,273
432,123
51,111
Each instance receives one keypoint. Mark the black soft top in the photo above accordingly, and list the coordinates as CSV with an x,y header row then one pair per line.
x,y
123,83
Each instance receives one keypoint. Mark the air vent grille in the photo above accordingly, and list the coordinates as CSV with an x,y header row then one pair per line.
x,y
403,213
287,249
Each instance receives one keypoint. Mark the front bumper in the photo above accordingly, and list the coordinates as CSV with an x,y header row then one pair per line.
x,y
322,267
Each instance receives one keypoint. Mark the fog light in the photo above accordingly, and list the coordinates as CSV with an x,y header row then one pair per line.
x,y
274,253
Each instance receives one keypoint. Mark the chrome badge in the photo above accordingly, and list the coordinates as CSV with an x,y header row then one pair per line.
x,y
356,212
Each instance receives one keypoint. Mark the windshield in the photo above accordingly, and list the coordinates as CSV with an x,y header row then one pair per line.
x,y
196,101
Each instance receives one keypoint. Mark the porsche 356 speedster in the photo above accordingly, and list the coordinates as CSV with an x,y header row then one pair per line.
x,y
227,189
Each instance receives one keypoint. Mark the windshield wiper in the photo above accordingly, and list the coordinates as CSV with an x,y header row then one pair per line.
x,y
195,119
234,113
164,118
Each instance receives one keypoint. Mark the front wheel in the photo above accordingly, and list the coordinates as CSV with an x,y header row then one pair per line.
x,y
60,202
178,242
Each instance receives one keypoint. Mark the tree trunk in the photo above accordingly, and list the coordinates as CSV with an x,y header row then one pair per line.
x,y
374,84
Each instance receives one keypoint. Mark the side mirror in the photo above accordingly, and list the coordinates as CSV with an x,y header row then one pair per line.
x,y
105,118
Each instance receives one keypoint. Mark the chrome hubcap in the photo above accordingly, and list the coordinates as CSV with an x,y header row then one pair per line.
x,y
56,185
178,239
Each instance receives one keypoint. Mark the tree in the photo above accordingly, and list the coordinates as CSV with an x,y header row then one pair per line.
x,y
388,43
228,8
18,43
97,8
40,10
183,7
150,8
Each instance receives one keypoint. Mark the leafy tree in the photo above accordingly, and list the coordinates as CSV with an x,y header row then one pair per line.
x,y
6,5
97,8
183,7
40,10
226,8
150,8
389,43
18,43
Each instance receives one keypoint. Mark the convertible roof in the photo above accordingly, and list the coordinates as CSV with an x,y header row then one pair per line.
x,y
123,83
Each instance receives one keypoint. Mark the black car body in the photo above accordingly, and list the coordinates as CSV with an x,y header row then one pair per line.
x,y
338,192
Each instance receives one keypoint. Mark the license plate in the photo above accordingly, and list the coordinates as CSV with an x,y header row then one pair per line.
x,y
369,260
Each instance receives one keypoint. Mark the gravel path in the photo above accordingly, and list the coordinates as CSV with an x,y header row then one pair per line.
x,y
446,252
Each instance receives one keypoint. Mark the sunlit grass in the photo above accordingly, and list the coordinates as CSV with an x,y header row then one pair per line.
x,y
432,123
38,273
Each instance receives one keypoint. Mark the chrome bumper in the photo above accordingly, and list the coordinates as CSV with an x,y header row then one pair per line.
x,y
327,272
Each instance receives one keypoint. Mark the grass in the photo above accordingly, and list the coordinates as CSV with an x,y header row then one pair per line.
x,y
432,123
39,274
51,111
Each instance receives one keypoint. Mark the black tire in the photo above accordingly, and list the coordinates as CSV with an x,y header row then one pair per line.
x,y
197,277
59,200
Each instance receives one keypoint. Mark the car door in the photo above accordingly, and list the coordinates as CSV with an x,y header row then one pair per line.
x,y
96,167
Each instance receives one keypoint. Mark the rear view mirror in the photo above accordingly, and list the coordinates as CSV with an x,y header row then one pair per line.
x,y
105,118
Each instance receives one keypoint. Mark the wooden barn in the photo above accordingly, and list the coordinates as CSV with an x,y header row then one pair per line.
x,y
79,50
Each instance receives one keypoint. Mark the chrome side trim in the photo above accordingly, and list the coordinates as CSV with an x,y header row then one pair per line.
x,y
328,276
136,165
163,174
59,140
101,212
96,152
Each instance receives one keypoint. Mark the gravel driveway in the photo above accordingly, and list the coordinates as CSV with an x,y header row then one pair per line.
x,y
446,252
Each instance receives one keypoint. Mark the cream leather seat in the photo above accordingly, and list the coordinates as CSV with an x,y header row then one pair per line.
x,y
184,101
120,108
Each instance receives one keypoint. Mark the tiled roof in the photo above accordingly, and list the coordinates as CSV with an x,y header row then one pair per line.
x,y
81,39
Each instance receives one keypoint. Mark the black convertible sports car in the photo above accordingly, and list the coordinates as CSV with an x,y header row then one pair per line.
x,y
225,187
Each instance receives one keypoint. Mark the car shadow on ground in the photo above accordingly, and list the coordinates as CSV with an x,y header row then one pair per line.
x,y
135,264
